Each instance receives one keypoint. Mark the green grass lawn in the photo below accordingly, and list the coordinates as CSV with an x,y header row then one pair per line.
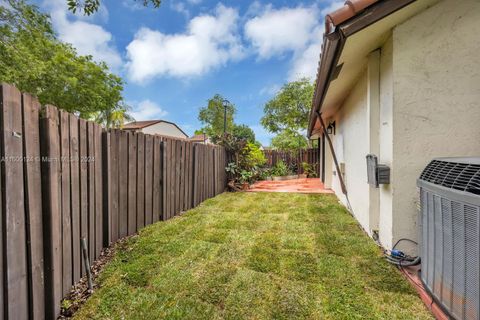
x,y
254,256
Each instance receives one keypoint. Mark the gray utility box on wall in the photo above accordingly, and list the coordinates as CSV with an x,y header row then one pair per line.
x,y
450,238
377,173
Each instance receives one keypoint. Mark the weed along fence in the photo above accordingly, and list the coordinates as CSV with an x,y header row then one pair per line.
x,y
63,179
294,158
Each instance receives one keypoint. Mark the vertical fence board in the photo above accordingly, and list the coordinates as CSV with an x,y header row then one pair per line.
x,y
140,181
75,196
50,148
65,201
181,175
114,135
194,176
186,174
171,184
98,191
83,182
148,179
107,188
164,179
132,183
33,204
157,174
16,302
91,192
122,184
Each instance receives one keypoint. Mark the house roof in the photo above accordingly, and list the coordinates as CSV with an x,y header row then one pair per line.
x,y
137,125
349,10
198,137
341,51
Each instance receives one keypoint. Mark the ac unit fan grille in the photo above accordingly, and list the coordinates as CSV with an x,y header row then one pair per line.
x,y
453,175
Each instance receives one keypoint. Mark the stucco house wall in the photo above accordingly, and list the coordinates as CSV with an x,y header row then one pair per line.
x,y
165,129
386,143
350,146
428,106
436,98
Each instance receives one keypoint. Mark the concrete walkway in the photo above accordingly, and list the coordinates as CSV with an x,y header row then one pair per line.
x,y
305,185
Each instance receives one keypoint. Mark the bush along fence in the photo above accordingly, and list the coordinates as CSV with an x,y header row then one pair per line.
x,y
63,179
294,159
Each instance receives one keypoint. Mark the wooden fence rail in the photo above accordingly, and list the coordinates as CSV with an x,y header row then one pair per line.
x,y
294,159
63,178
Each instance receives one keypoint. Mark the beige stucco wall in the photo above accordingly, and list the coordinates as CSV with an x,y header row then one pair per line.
x,y
386,142
351,147
428,106
165,129
436,98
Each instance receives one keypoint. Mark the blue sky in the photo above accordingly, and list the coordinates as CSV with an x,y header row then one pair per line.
x,y
177,56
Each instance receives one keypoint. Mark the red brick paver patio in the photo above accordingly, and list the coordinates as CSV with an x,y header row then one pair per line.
x,y
305,185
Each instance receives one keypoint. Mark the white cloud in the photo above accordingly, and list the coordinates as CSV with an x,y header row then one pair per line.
x,y
276,32
209,41
305,62
88,38
147,110
299,31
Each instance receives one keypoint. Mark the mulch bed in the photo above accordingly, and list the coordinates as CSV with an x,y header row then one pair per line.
x,y
80,293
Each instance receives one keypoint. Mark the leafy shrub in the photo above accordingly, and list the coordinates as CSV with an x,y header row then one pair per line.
x,y
280,169
309,170
251,156
248,160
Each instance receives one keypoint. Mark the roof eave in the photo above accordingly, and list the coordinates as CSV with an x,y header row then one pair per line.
x,y
333,44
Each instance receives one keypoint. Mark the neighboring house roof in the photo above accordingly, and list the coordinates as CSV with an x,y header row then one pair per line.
x,y
199,137
138,125
353,17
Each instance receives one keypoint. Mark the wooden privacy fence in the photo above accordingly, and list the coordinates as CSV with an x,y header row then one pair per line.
x,y
294,159
63,178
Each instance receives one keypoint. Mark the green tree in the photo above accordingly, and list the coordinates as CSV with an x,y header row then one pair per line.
x,y
289,140
290,108
91,6
35,61
242,131
212,117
